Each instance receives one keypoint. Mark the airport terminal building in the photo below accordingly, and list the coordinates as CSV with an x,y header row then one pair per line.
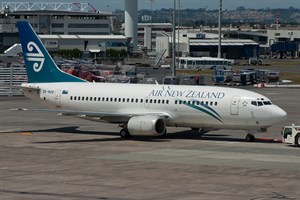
x,y
60,26
197,45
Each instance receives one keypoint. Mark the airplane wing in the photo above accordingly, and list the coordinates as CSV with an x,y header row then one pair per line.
x,y
97,116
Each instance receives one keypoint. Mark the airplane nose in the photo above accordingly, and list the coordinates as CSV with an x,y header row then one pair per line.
x,y
278,115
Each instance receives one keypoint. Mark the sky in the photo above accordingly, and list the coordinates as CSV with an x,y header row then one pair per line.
x,y
195,4
210,4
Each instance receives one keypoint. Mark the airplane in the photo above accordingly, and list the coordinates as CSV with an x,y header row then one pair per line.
x,y
142,109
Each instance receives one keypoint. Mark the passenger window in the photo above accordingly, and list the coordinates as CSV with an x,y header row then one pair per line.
x,y
136,100
75,98
116,99
163,101
167,102
189,102
150,100
206,103
124,100
95,98
146,100
107,99
99,98
141,100
175,101
79,98
111,99
71,98
91,98
132,100
158,101
128,100
154,100
211,103
103,99
180,102
216,103
184,102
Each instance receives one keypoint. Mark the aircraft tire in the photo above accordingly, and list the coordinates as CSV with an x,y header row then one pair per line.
x,y
250,138
124,134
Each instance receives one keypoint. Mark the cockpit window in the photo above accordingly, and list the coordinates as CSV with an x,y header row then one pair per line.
x,y
267,103
259,103
254,103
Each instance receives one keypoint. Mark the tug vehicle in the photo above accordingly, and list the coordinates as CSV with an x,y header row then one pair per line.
x,y
291,135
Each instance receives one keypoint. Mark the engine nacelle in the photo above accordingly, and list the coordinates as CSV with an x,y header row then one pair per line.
x,y
146,125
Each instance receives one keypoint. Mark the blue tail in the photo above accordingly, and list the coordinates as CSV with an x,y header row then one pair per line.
x,y
40,66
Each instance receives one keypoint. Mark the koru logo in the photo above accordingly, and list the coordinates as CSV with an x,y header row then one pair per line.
x,y
38,58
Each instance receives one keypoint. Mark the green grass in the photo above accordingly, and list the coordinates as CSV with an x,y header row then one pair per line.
x,y
293,76
290,76
290,63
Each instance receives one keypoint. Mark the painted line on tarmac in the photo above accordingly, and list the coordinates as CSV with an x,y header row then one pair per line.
x,y
10,130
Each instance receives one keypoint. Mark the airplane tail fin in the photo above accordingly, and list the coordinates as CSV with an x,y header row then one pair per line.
x,y
40,66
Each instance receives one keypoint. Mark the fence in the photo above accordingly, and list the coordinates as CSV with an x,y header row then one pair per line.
x,y
10,78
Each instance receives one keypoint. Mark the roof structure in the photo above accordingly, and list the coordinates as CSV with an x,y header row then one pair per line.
x,y
225,42
29,6
96,37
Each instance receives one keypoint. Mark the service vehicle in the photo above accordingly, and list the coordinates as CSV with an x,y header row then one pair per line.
x,y
291,135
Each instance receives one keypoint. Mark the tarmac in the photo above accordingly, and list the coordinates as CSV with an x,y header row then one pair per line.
x,y
45,156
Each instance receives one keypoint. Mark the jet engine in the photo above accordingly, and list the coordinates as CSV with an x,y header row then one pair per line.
x,y
146,125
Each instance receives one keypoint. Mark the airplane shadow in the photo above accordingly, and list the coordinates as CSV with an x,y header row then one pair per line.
x,y
79,141
196,136
72,130
167,138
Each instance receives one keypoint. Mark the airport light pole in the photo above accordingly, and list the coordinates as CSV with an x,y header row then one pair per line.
x,y
174,42
151,24
220,29
178,28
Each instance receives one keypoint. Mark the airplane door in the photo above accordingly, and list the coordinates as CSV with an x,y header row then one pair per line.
x,y
234,107
57,98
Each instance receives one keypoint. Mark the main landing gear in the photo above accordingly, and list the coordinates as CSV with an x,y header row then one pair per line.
x,y
124,134
200,131
250,138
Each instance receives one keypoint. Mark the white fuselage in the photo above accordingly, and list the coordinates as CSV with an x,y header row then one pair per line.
x,y
186,106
